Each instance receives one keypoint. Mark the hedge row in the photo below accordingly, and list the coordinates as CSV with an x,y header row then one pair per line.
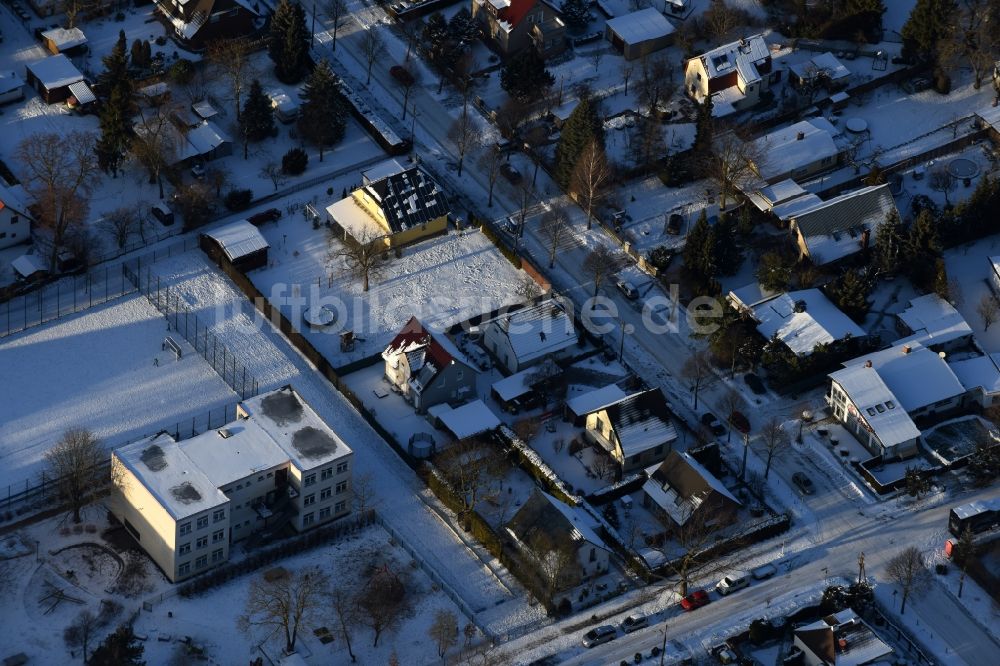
x,y
312,539
530,462
501,245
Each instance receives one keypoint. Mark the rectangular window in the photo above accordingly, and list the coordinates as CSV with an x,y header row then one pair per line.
x,y
184,569
326,474
260,478
341,487
14,219
340,506
308,518
309,480
324,513
341,467
185,529
184,549
203,522
217,555
309,500
270,474
326,493
201,562
218,515
201,542
218,536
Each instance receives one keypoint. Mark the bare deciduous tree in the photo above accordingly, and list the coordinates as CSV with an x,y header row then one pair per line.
x,y
60,171
599,263
626,69
363,492
155,143
510,117
554,226
383,601
82,631
775,441
908,570
273,172
473,468
732,402
464,133
337,11
720,19
655,82
444,631
591,177
77,463
490,161
346,611
558,570
692,537
731,164
696,369
987,310
290,603
372,47
942,181
120,224
363,256
232,59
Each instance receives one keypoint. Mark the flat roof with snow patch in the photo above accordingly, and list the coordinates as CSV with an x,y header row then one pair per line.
x,y
824,63
979,372
65,38
28,264
238,239
232,452
643,25
932,320
383,169
769,196
9,81
304,437
55,72
749,295
803,319
204,109
203,139
596,400
990,116
470,419
354,219
180,485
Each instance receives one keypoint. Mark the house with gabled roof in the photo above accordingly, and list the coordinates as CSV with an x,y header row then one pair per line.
x,y
400,204
840,639
832,230
524,337
545,527
680,490
427,369
798,151
636,431
734,75
802,319
934,323
196,23
15,222
510,26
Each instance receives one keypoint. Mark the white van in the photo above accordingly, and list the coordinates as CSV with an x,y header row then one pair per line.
x,y
733,582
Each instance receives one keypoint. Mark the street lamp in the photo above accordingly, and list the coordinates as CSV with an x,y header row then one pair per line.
x,y
663,649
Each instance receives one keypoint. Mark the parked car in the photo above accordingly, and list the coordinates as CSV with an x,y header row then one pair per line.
x,y
764,572
599,635
709,420
694,600
510,172
269,215
733,582
804,483
401,74
162,213
634,622
740,422
628,289
674,224
755,383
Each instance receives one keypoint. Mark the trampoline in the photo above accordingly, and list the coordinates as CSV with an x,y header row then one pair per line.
x,y
962,168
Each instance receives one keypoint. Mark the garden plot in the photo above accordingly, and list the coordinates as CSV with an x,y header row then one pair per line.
x,y
953,440
441,281
103,369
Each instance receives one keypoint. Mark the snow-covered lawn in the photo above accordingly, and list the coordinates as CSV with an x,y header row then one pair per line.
x,y
969,268
441,281
96,370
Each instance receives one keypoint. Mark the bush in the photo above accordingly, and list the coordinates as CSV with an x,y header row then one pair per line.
x,y
941,569
660,257
294,162
238,199
761,631
942,83
182,71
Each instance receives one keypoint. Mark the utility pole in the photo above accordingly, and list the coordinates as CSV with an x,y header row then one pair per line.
x,y
663,650
746,448
861,569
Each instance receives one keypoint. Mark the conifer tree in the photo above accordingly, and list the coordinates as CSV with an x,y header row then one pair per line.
x,y
121,648
576,13
525,78
702,147
850,293
583,126
117,88
322,117
929,22
698,238
257,121
288,42
889,238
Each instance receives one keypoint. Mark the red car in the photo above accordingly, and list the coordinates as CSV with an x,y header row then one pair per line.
x,y
695,600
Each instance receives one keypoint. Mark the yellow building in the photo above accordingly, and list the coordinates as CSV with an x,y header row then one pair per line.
x,y
399,204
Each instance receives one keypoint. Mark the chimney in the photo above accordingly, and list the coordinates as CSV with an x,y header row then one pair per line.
x,y
868,364
866,235
800,136
907,349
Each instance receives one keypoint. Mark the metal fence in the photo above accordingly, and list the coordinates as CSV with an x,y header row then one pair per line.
x,y
187,324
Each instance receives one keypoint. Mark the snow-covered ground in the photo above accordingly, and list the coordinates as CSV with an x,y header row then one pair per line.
x,y
96,370
970,269
441,281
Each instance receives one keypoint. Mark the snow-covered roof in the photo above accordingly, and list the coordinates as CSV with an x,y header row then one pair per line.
x,y
769,196
238,239
584,527
537,330
918,377
743,55
749,295
824,63
55,72
979,372
680,484
641,421
470,419
204,109
932,321
82,92
990,116
514,386
544,523
65,38
426,355
304,437
354,219
843,639
13,197
233,452
790,148
835,228
595,400
281,101
203,139
383,169
643,25
876,404
803,319
28,264
9,81
179,485
793,207
408,198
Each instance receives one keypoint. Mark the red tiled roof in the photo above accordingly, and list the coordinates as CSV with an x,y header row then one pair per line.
x,y
517,11
415,333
